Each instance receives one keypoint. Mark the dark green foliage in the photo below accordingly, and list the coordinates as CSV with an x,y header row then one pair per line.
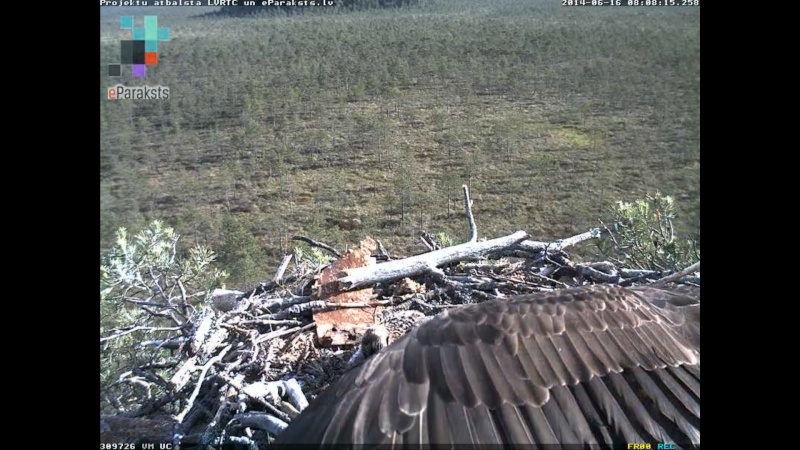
x,y
240,252
149,286
643,236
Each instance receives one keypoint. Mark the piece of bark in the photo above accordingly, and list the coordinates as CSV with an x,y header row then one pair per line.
x,y
343,326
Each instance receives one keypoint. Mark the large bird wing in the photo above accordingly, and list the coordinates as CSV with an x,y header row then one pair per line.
x,y
590,365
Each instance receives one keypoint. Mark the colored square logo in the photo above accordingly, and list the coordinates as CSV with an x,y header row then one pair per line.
x,y
141,50
150,27
150,58
126,22
139,70
126,52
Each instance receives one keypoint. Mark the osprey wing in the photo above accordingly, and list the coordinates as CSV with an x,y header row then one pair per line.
x,y
589,365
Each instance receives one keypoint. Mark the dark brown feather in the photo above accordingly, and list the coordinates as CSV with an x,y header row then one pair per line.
x,y
589,365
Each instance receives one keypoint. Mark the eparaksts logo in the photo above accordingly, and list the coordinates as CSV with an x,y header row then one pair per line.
x,y
120,92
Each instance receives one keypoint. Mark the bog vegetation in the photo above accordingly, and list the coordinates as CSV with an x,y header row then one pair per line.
x,y
340,123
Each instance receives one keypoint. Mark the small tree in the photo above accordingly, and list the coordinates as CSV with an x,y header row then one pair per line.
x,y
149,292
643,236
240,251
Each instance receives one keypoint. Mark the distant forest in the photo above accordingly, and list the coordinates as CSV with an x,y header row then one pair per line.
x,y
349,4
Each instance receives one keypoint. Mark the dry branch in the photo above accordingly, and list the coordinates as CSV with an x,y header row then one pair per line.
x,y
473,229
555,246
314,243
295,394
430,246
134,329
261,421
179,418
677,276
282,268
425,263
274,334
597,275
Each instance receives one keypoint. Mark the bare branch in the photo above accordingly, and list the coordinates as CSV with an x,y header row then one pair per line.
x,y
259,392
473,229
639,273
555,246
282,268
258,321
145,303
284,302
296,396
420,264
134,329
596,275
199,383
262,421
314,243
678,275
280,333
427,244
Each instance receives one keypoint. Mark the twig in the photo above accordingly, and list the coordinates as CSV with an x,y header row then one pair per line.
x,y
597,275
357,304
258,321
469,279
639,273
289,410
634,275
321,304
314,243
179,418
284,302
183,291
295,393
273,390
134,329
549,280
421,302
258,392
224,406
555,246
274,334
280,333
473,229
262,421
241,440
610,234
138,302
678,275
282,268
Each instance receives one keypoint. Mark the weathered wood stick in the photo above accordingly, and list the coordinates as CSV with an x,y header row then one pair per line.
x,y
426,262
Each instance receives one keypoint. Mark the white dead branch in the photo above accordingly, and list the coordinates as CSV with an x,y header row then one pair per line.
x,y
425,263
